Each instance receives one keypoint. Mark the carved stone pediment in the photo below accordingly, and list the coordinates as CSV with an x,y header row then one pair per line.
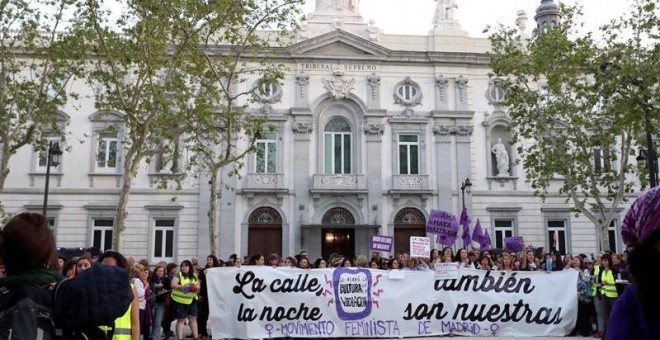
x,y
456,130
374,129
302,127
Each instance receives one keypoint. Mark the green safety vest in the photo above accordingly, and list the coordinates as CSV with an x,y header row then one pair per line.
x,y
123,328
607,290
181,296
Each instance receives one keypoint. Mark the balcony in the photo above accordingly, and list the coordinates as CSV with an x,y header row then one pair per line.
x,y
339,184
410,184
265,183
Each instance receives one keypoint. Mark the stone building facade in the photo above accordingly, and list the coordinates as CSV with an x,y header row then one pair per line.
x,y
372,132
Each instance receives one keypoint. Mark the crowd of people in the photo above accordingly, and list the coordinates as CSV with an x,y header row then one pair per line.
x,y
172,292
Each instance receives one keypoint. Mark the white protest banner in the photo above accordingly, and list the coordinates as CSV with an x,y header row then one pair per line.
x,y
266,302
420,246
446,271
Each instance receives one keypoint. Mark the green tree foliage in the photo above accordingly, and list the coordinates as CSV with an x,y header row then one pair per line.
x,y
577,106
37,62
169,69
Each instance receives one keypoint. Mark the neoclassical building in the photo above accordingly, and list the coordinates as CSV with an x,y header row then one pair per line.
x,y
372,132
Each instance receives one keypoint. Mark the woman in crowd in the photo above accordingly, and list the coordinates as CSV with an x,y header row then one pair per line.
x,y
290,262
394,264
140,275
203,297
304,263
636,314
435,256
257,260
605,292
583,326
83,263
527,262
69,268
507,262
484,262
160,286
184,296
463,259
447,251
274,260
567,261
374,264
320,263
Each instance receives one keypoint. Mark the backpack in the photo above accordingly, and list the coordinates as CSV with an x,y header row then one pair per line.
x,y
25,313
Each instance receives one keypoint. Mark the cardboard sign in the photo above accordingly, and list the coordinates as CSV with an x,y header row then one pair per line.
x,y
381,243
420,246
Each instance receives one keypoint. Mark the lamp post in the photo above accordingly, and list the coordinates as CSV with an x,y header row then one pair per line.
x,y
52,159
649,155
466,186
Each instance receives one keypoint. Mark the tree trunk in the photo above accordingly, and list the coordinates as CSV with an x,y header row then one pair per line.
x,y
130,169
4,166
213,211
605,237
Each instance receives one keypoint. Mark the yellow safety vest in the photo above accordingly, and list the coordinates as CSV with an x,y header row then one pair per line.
x,y
609,290
181,296
123,327
594,289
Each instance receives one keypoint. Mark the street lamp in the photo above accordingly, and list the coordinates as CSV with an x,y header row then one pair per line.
x,y
466,186
651,163
52,159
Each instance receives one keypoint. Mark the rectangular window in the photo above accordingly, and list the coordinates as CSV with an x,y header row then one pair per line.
x,y
337,153
43,155
267,154
164,239
613,237
102,233
503,229
557,236
409,155
107,156
601,159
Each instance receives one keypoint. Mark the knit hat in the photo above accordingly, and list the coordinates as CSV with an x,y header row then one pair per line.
x,y
642,218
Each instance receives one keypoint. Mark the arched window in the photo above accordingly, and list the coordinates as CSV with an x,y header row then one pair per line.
x,y
338,216
337,146
265,232
408,222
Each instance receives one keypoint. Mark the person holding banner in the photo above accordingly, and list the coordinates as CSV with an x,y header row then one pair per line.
x,y
463,259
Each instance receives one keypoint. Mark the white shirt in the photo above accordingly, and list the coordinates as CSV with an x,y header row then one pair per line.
x,y
139,286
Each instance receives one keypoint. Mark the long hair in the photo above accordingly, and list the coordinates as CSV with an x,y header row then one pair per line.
x,y
216,263
121,260
191,271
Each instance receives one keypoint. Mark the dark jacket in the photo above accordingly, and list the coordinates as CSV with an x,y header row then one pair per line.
x,y
159,287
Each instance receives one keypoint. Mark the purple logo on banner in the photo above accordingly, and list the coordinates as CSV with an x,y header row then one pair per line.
x,y
381,243
445,224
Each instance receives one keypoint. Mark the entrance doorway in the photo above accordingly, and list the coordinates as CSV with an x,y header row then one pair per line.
x,y
265,232
338,241
408,222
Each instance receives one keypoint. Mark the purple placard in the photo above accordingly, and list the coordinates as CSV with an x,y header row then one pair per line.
x,y
444,224
382,243
514,243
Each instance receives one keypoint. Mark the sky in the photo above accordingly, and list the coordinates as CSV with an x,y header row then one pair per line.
x,y
415,16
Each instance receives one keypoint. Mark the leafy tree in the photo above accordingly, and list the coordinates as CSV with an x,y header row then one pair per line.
x,y
577,106
37,62
169,69
249,43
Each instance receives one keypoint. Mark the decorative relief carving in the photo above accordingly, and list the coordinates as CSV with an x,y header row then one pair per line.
x,y
267,93
374,84
302,80
374,129
413,181
302,127
339,87
442,82
461,92
339,180
456,130
265,179
408,94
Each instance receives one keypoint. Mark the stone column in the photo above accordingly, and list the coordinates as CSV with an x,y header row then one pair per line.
x,y
302,133
444,165
374,135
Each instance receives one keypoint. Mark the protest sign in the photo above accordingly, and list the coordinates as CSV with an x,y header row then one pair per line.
x,y
264,302
446,270
513,243
420,247
444,224
382,243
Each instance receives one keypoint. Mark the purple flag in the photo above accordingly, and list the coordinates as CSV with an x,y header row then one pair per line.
x,y
486,245
514,243
465,222
478,234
